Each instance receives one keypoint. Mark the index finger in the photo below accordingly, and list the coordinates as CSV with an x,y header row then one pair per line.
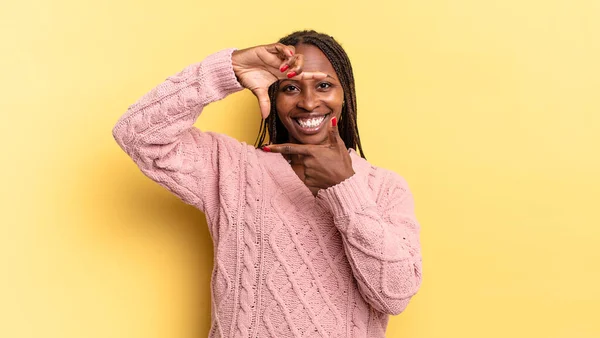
x,y
310,76
281,49
289,148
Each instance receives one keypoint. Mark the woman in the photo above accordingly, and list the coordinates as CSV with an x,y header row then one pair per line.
x,y
310,240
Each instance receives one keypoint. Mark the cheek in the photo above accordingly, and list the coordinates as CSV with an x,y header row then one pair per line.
x,y
282,105
336,100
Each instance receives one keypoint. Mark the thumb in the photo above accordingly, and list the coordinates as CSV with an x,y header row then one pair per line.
x,y
263,101
334,133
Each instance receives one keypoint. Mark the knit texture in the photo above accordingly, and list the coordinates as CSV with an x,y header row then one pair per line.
x,y
287,263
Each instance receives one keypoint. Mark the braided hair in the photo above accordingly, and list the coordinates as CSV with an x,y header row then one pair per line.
x,y
341,64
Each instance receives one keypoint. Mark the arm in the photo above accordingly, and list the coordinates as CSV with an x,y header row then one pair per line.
x,y
157,131
381,238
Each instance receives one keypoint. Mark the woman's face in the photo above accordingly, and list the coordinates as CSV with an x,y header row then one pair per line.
x,y
306,107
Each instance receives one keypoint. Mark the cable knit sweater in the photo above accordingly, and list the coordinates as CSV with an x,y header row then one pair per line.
x,y
287,263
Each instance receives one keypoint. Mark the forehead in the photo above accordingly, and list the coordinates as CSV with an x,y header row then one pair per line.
x,y
315,60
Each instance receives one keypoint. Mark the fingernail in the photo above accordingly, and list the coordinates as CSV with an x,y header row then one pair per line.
x,y
284,68
291,75
291,53
334,121
266,149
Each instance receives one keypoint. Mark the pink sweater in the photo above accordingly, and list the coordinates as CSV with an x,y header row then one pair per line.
x,y
287,264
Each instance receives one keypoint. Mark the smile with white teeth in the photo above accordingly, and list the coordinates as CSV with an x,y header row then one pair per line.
x,y
311,122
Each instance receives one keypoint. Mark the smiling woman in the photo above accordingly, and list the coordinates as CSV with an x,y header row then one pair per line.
x,y
326,55
302,106
323,244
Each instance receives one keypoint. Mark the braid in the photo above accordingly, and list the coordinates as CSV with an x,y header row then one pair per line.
x,y
341,64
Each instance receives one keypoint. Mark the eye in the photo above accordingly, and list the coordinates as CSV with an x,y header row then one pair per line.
x,y
324,85
289,88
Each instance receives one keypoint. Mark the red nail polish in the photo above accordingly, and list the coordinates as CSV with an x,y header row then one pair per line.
x,y
291,75
284,68
334,121
266,149
291,53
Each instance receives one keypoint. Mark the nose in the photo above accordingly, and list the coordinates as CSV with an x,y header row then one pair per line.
x,y
308,100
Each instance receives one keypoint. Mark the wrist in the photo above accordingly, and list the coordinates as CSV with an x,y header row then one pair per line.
x,y
235,63
234,58
344,176
347,197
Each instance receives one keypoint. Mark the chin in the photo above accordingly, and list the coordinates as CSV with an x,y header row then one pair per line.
x,y
311,139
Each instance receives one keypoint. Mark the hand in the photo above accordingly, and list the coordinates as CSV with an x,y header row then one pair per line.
x,y
258,67
324,165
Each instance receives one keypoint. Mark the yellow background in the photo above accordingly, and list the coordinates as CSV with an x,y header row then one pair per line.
x,y
490,110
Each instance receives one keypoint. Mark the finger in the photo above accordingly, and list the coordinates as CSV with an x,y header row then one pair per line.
x,y
281,50
292,48
309,76
312,182
263,101
297,66
334,133
290,149
287,63
297,71
310,176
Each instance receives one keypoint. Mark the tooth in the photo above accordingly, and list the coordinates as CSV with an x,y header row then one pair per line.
x,y
311,122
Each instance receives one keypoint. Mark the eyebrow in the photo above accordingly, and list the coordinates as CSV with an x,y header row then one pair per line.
x,y
328,76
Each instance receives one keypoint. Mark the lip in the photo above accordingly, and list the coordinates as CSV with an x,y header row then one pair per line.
x,y
309,115
312,130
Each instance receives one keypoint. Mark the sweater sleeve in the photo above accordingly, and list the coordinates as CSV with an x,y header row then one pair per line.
x,y
381,238
157,131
